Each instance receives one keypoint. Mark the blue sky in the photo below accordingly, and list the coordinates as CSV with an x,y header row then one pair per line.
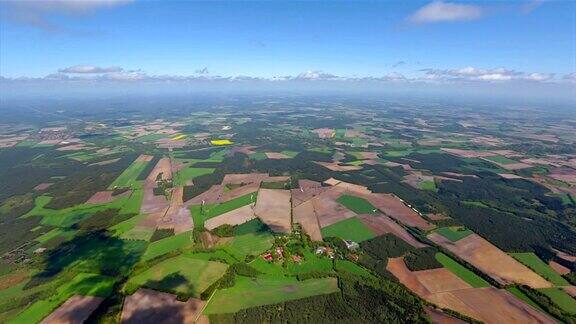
x,y
448,41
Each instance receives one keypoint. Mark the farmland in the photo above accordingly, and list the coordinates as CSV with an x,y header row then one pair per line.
x,y
249,293
144,210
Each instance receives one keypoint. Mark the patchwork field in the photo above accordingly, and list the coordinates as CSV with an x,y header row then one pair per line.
x,y
454,233
444,289
483,255
166,245
532,261
128,178
262,291
75,310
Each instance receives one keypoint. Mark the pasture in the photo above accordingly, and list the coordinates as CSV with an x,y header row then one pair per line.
x,y
561,298
182,177
181,275
357,204
351,229
128,178
454,233
248,292
82,284
167,244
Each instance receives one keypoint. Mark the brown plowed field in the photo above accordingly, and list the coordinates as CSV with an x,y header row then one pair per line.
x,y
210,196
239,192
43,186
490,305
382,224
276,155
439,317
177,216
274,209
235,217
395,208
491,260
305,215
444,289
102,197
144,158
75,310
328,210
149,306
162,167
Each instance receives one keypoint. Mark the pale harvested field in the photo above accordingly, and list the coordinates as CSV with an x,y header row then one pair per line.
x,y
73,147
382,224
274,209
328,210
560,269
177,216
491,260
444,289
353,189
144,158
369,155
303,194
515,166
105,162
210,196
149,306
75,310
43,186
162,167
466,153
239,192
305,215
276,155
395,208
102,197
325,132
564,174
152,203
509,176
571,290
246,178
439,317
565,256
242,149
436,217
490,305
235,217
425,282
332,182
334,166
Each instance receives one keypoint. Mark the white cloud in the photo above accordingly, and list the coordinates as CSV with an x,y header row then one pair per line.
x,y
91,73
440,11
90,69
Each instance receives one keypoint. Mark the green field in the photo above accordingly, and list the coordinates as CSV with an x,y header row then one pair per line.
x,y
258,156
350,229
560,298
454,233
500,159
290,153
128,177
248,292
351,267
181,275
188,173
533,262
202,213
271,269
166,245
357,204
462,272
69,216
250,238
428,185
151,137
82,284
